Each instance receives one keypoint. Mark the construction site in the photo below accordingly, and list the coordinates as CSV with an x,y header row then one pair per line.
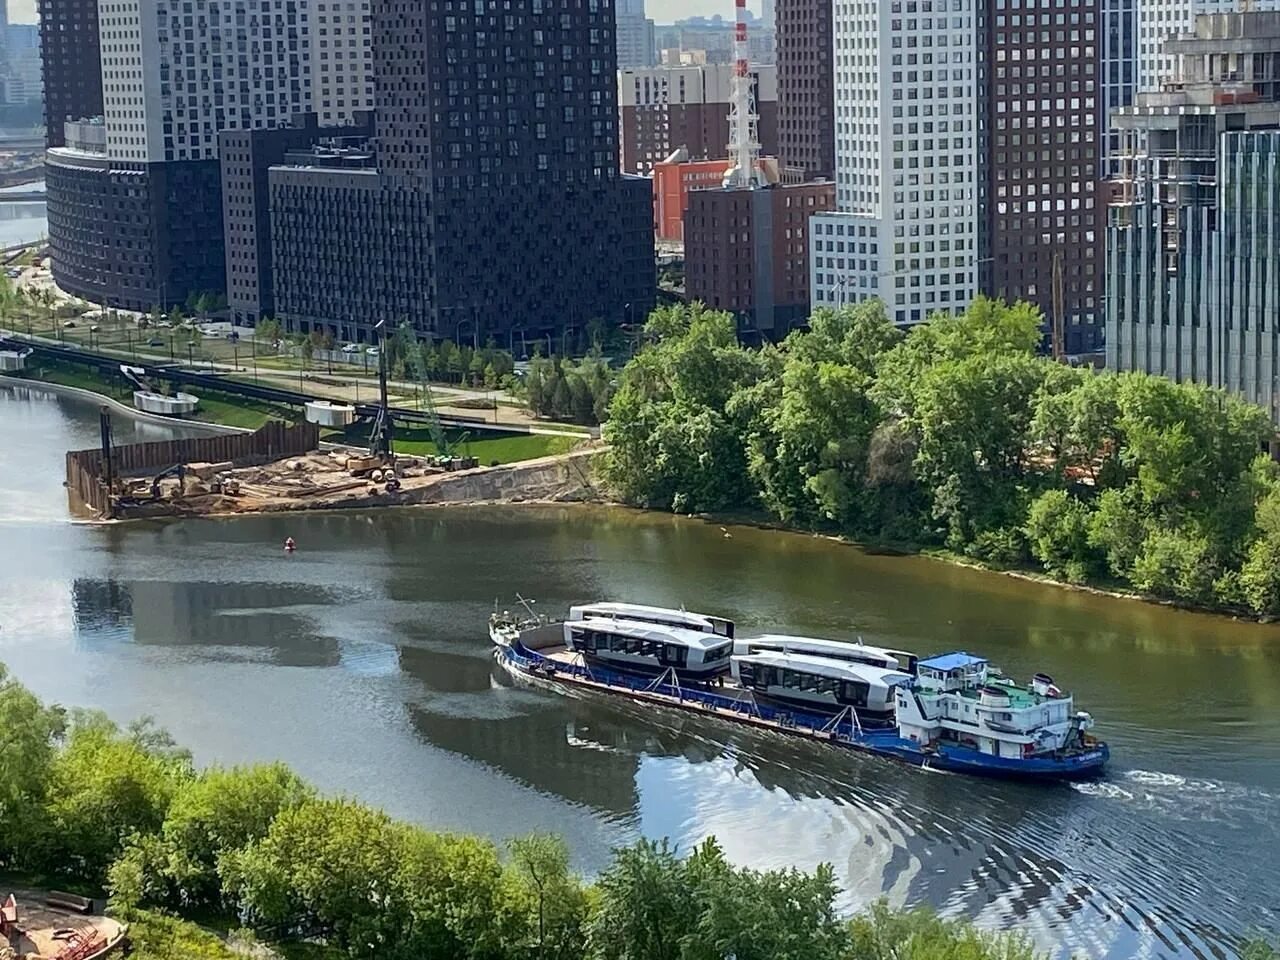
x,y
283,467
56,926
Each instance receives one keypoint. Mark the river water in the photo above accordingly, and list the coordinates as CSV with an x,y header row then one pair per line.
x,y
362,660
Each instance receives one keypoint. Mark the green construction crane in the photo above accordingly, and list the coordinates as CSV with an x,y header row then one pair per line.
x,y
417,365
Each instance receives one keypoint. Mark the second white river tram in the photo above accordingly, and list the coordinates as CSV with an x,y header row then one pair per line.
x,y
952,711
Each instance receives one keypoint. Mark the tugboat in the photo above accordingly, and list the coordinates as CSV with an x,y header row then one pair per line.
x,y
951,712
960,708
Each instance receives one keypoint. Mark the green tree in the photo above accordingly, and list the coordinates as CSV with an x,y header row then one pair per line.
x,y
974,416
675,438
326,868
655,906
217,813
1058,533
645,906
883,934
809,453
106,786
29,735
556,903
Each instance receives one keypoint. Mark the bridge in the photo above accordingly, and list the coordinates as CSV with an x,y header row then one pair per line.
x,y
26,196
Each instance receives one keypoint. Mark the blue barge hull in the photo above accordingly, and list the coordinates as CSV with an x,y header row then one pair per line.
x,y
841,732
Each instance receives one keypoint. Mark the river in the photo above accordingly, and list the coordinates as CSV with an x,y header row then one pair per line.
x,y
362,660
25,221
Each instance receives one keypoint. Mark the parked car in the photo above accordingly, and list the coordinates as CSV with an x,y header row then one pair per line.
x,y
351,348
94,328
372,351
68,324
155,342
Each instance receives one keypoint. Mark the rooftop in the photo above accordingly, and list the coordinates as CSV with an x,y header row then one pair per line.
x,y
640,630
947,662
827,667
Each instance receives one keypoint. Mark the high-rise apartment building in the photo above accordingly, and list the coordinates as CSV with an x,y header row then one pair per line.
x,y
806,92
173,76
907,160
1192,271
1118,79
1162,20
493,204
70,54
662,109
636,42
1044,218
341,68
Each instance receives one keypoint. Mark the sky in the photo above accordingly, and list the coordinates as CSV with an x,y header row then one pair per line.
x,y
24,11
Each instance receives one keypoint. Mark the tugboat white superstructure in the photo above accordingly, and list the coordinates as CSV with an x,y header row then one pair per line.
x,y
952,712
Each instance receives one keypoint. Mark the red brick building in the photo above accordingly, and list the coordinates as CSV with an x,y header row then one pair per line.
x,y
662,109
676,178
746,251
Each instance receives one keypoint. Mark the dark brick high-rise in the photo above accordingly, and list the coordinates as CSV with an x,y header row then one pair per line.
x,y
1042,139
497,207
806,90
72,63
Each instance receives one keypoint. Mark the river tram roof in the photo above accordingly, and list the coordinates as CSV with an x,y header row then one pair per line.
x,y
615,608
655,632
838,648
827,667
947,662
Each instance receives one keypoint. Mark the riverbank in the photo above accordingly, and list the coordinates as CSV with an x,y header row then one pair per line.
x,y
762,521
324,481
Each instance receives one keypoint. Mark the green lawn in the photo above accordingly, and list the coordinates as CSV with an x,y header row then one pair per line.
x,y
487,446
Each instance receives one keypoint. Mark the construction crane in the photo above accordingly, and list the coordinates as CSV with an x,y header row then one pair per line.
x,y
382,438
445,450
1059,352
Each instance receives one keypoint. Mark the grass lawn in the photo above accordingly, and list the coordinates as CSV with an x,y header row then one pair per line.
x,y
214,407
487,446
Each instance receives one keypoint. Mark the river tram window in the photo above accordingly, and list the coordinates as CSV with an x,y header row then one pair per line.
x,y
846,691
593,641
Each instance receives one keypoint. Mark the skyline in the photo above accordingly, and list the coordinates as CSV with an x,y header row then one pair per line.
x,y
661,11
668,11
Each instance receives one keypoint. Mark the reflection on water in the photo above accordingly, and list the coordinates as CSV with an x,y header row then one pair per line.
x,y
362,660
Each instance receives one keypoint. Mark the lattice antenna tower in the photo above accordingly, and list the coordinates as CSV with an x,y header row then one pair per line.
x,y
744,140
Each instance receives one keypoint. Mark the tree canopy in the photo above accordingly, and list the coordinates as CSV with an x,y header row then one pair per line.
x,y
955,434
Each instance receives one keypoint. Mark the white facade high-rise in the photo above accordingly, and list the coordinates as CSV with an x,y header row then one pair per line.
x,y
906,105
175,74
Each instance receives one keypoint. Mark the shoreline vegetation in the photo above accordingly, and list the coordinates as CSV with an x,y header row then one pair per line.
x,y
956,440
273,868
